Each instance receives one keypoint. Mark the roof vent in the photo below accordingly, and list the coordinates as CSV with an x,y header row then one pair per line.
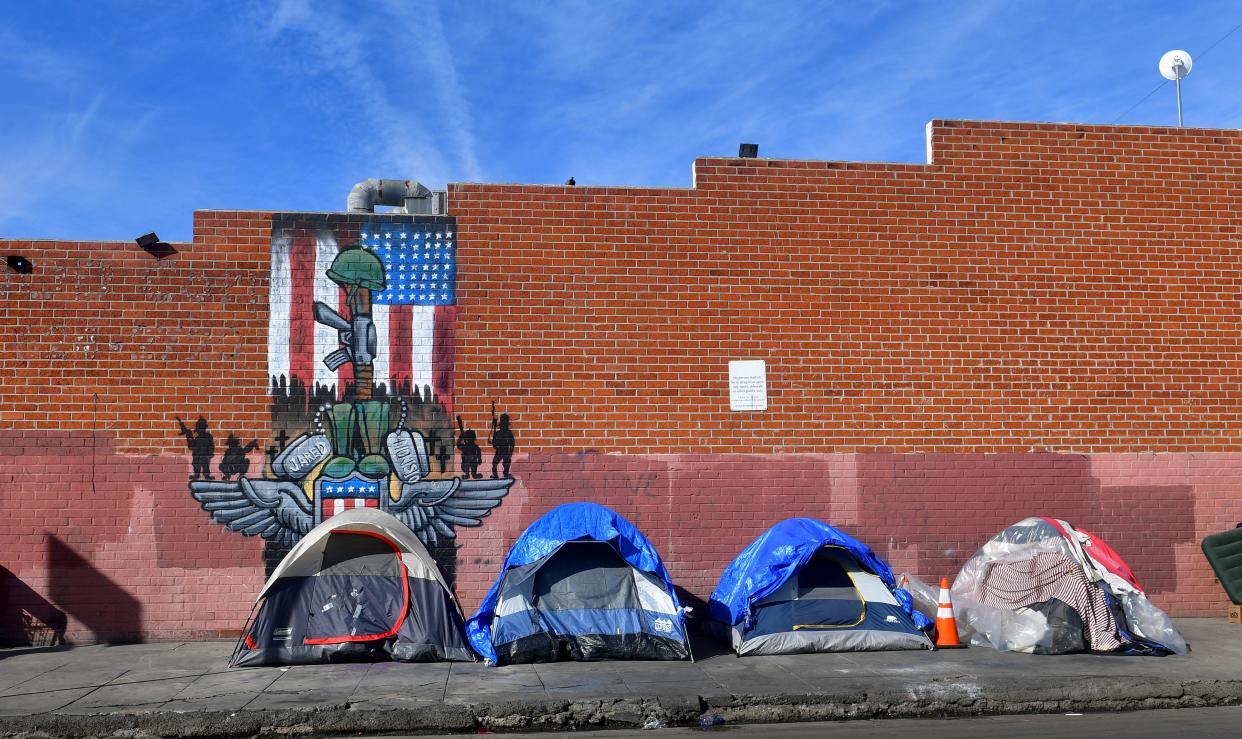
x,y
406,195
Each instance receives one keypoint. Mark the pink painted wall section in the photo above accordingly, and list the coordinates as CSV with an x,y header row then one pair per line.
x,y
924,513
108,542
104,546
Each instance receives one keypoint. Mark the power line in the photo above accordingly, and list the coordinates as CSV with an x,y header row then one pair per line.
x,y
1162,84
1140,102
1217,41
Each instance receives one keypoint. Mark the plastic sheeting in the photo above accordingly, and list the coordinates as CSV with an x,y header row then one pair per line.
x,y
777,554
567,523
1141,627
926,598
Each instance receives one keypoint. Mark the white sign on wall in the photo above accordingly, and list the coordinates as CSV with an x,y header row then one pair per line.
x,y
748,385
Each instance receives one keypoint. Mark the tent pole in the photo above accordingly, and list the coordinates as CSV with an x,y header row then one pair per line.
x,y
242,636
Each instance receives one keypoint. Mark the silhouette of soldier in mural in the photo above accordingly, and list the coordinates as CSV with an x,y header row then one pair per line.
x,y
234,461
202,447
502,441
471,454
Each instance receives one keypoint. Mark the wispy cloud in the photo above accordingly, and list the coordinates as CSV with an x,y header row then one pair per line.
x,y
227,98
881,78
72,138
23,59
623,92
379,91
77,153
435,55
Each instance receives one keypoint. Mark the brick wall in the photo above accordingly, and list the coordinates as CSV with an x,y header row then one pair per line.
x,y
103,347
1040,321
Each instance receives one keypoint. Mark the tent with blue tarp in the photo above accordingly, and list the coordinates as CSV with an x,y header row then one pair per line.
x,y
580,583
804,586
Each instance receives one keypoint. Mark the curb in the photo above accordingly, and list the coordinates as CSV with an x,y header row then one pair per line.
x,y
946,698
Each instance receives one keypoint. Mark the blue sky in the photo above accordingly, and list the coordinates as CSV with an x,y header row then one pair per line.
x,y
121,117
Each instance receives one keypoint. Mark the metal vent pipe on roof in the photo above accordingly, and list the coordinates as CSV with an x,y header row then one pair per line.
x,y
409,195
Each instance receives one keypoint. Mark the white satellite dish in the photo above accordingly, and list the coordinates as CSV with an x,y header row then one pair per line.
x,y
1175,65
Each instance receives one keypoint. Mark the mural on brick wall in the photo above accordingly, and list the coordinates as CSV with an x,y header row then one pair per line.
x,y
360,353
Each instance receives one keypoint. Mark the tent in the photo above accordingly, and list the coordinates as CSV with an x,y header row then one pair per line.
x,y
580,583
1042,586
359,586
804,586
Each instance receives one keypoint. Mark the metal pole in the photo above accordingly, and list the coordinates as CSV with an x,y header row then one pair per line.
x,y
1178,82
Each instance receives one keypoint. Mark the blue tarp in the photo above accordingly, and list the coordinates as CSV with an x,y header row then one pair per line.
x,y
777,555
565,523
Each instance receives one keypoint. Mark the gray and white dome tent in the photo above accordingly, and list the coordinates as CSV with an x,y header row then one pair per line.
x,y
359,586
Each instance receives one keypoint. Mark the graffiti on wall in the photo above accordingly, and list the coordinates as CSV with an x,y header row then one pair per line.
x,y
360,354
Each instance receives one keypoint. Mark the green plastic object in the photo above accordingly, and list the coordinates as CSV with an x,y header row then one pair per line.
x,y
1224,553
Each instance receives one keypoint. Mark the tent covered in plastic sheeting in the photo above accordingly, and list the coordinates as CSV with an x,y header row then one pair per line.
x,y
580,583
1045,587
359,586
804,586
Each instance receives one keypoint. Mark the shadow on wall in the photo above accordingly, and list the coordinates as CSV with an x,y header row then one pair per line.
x,y
27,619
697,605
112,615
958,501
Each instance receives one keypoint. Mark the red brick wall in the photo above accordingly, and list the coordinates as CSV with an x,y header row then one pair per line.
x,y
1041,321
1066,288
103,347
923,512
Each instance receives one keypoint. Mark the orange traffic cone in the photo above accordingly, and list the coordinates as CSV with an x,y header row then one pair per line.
x,y
946,624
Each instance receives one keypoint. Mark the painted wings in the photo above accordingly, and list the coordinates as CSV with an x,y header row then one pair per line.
x,y
276,511
433,507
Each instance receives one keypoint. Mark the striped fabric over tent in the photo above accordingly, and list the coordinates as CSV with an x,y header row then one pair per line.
x,y
1053,576
1043,586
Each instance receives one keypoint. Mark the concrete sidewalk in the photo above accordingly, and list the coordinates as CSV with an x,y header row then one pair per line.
x,y
183,689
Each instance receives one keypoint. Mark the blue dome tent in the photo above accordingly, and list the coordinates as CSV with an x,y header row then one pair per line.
x,y
580,583
804,586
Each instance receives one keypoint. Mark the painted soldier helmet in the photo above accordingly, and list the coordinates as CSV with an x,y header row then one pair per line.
x,y
358,267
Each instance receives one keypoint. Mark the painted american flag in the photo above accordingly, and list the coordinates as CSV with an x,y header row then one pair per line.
x,y
419,264
335,497
415,316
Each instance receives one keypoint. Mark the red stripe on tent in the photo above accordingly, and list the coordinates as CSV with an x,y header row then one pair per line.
x,y
400,345
1105,555
1099,551
405,597
344,373
301,303
443,355
250,642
